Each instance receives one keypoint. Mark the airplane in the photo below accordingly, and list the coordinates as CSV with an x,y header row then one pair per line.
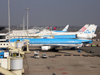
x,y
82,33
71,33
50,43
45,32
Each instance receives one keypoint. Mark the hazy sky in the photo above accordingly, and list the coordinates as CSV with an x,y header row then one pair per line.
x,y
51,12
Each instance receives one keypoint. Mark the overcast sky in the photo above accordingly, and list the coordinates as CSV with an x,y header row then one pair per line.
x,y
51,12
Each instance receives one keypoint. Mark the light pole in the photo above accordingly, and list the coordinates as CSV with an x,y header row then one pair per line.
x,y
9,18
27,21
24,22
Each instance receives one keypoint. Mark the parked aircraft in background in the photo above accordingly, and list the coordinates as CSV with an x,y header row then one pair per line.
x,y
82,33
47,44
48,27
62,33
71,33
64,30
49,31
45,32
54,28
25,33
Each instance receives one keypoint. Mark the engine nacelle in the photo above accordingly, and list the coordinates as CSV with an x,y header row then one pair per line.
x,y
46,48
84,36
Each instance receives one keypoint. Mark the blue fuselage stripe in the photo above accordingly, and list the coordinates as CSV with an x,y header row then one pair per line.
x,y
52,41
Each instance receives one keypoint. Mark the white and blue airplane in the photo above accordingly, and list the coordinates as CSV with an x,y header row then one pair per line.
x,y
50,43
63,32
48,31
82,33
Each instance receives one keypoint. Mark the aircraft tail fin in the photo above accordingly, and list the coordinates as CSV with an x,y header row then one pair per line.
x,y
48,27
55,28
66,28
84,28
91,29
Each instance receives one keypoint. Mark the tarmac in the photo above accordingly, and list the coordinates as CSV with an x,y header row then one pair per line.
x,y
64,62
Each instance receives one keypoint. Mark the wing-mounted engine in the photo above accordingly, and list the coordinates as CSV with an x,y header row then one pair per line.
x,y
46,48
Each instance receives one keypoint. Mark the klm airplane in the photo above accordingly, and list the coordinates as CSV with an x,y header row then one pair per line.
x,y
83,33
48,31
47,44
61,34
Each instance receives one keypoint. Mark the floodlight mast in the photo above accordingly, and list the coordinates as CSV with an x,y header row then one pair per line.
x,y
24,22
9,18
27,20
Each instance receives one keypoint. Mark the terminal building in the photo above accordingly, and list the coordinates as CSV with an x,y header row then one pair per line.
x,y
4,34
